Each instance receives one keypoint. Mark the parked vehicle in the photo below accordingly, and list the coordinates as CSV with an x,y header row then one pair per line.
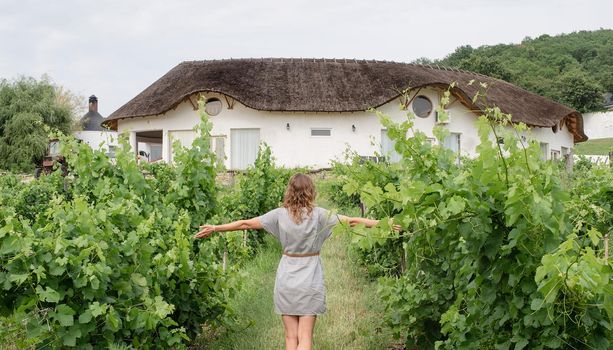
x,y
52,159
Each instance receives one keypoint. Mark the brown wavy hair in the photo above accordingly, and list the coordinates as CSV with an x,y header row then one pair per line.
x,y
299,197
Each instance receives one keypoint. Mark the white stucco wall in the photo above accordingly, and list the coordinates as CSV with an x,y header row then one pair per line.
x,y
554,141
185,137
98,140
296,146
598,125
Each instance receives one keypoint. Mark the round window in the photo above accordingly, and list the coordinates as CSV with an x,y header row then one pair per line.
x,y
212,106
422,107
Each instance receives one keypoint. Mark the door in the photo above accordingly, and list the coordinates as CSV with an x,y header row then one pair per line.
x,y
244,147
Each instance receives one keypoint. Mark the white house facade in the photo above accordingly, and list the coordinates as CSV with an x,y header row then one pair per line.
x,y
321,110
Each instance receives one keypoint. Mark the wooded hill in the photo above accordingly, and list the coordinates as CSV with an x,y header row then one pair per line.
x,y
575,69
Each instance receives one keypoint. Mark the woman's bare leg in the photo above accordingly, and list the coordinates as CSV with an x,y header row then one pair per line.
x,y
305,332
290,324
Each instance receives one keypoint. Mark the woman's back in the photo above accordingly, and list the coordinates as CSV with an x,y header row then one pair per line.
x,y
302,238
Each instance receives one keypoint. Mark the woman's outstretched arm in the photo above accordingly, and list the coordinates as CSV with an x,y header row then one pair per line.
x,y
251,224
352,221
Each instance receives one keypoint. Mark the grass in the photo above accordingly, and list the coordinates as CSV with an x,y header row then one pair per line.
x,y
595,147
351,322
13,335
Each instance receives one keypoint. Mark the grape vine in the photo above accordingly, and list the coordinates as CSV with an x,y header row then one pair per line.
x,y
493,254
110,260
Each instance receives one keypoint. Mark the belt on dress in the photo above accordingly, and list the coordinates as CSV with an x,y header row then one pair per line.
x,y
296,255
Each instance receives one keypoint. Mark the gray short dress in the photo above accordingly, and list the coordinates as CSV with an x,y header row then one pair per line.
x,y
299,285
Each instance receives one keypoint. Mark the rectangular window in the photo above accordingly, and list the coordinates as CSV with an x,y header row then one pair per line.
x,y
244,146
544,150
218,144
321,132
555,155
453,142
440,119
111,152
371,159
387,148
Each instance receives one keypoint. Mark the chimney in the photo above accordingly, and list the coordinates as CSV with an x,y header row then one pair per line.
x,y
93,103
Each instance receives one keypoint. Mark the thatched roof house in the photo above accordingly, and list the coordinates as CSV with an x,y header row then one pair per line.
x,y
331,85
276,97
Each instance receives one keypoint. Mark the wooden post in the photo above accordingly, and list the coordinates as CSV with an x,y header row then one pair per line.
x,y
569,160
166,146
134,143
606,248
225,259
244,238
403,261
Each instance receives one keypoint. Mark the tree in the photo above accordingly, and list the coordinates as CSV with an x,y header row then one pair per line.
x,y
24,141
550,66
26,105
486,65
461,53
577,90
423,60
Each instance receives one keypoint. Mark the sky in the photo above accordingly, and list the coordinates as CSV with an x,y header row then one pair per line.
x,y
116,48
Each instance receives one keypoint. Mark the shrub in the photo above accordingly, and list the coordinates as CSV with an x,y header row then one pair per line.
x,y
494,258
114,263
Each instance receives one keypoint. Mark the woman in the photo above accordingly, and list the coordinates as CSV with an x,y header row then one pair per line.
x,y
299,294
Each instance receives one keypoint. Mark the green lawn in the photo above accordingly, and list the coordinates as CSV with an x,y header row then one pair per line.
x,y
595,147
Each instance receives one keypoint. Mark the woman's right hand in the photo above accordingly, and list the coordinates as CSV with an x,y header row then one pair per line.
x,y
205,231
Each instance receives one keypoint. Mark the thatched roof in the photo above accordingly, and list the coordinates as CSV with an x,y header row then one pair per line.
x,y
92,121
332,85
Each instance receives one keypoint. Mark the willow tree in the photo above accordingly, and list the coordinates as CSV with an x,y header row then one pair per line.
x,y
26,105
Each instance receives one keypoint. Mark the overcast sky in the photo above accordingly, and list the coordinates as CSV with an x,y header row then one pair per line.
x,y
116,48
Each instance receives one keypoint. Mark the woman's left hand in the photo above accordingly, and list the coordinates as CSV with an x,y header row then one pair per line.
x,y
395,227
205,231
